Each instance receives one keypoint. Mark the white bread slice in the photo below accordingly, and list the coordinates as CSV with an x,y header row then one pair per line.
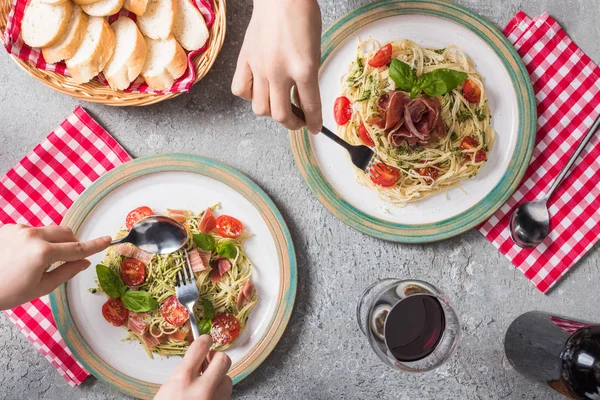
x,y
129,56
189,28
103,8
94,51
165,62
70,40
157,21
138,7
43,23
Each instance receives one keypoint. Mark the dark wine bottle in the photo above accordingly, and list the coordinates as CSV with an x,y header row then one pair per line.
x,y
560,352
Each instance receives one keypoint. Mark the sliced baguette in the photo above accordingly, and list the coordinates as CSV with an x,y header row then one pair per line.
x,y
94,51
103,8
54,1
138,7
44,23
165,62
189,28
70,40
83,2
157,21
129,56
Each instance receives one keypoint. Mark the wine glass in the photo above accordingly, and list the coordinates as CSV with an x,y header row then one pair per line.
x,y
410,324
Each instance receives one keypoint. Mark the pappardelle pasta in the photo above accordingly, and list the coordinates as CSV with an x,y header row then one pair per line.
x,y
141,285
423,111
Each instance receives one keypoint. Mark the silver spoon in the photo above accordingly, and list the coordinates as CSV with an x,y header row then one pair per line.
x,y
156,234
530,222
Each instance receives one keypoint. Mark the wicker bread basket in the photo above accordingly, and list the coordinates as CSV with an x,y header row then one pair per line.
x,y
96,92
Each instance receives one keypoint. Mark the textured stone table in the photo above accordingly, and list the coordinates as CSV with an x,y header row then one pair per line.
x,y
322,355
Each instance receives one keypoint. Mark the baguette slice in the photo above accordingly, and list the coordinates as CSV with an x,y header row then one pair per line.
x,y
44,23
94,51
189,28
157,21
103,8
70,40
129,56
138,7
54,1
83,2
165,62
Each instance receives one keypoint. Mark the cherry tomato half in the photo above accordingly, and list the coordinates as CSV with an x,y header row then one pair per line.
x,y
384,175
207,222
342,110
115,312
225,328
429,172
469,143
364,136
472,92
137,214
480,156
133,272
173,312
382,57
229,227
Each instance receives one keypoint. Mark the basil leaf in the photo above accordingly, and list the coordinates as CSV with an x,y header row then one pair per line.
x,y
403,75
209,310
139,301
205,241
441,81
204,326
110,282
415,91
227,249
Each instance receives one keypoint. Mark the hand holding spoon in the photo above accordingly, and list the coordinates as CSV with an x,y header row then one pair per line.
x,y
530,222
156,234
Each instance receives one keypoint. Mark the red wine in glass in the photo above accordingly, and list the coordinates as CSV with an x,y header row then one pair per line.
x,y
414,327
410,324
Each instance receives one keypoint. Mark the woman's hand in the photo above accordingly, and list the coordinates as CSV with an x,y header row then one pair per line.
x,y
281,50
186,382
27,253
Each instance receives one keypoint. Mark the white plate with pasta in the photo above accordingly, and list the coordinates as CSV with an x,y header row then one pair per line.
x,y
441,99
135,345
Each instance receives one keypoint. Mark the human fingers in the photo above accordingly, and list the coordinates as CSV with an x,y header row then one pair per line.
x,y
73,251
195,355
310,101
281,106
241,85
217,369
260,96
53,279
55,234
224,389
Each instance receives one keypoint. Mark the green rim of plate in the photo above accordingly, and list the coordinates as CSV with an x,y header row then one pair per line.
x,y
422,233
215,170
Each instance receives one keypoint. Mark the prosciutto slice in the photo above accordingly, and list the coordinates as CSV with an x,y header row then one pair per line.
x,y
411,121
130,251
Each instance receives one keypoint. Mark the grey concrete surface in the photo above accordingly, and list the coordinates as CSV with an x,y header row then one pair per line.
x,y
322,354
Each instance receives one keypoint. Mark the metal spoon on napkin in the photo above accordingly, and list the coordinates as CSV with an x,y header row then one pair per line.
x,y
530,222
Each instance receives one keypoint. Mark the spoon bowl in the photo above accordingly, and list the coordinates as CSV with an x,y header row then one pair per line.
x,y
156,234
530,223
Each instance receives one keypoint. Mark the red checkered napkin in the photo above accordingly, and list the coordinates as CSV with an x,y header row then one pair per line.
x,y
38,191
567,87
15,46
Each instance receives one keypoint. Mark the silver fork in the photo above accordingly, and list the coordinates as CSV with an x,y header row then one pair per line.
x,y
187,293
361,156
